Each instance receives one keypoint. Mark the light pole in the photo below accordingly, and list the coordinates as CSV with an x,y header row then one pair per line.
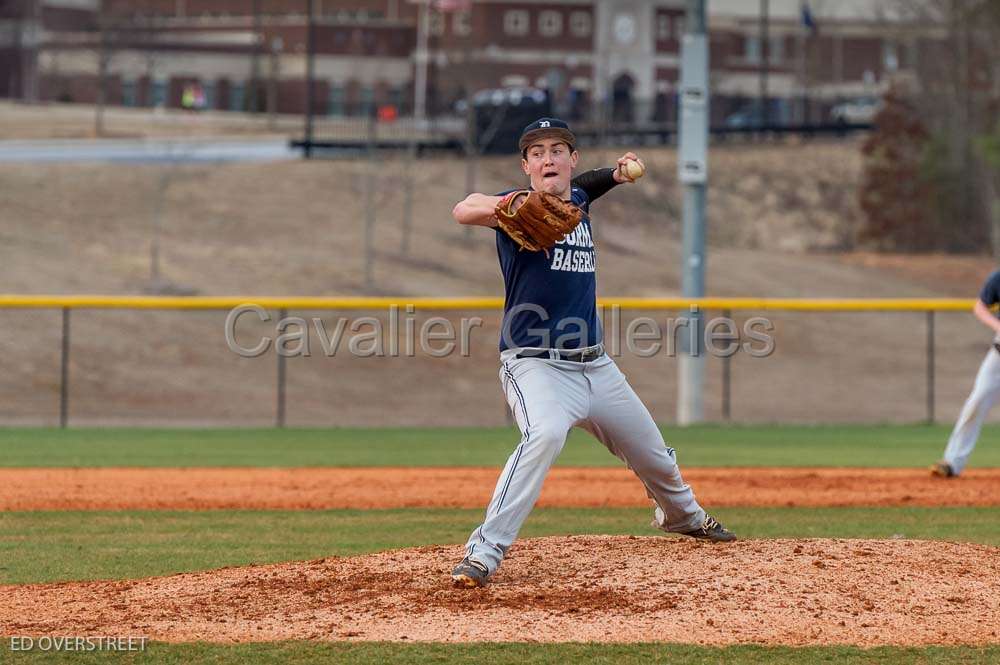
x,y
252,103
693,173
310,71
422,56
764,60
272,85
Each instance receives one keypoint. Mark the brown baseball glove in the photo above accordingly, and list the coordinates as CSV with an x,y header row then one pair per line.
x,y
540,222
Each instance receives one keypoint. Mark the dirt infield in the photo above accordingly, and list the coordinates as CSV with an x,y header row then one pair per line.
x,y
587,588
470,487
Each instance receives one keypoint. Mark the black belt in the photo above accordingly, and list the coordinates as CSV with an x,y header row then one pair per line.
x,y
585,356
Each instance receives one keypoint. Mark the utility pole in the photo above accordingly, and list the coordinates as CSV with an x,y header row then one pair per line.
x,y
253,101
15,81
422,57
693,174
310,71
34,35
104,53
277,43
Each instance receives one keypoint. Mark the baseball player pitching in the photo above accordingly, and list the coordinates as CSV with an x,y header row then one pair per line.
x,y
554,371
985,391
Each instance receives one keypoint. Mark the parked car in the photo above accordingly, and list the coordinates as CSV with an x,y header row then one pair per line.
x,y
745,117
856,111
501,114
515,96
750,116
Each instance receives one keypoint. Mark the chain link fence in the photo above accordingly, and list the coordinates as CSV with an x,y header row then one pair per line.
x,y
173,367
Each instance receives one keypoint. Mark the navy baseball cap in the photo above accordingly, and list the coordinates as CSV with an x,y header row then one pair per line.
x,y
545,128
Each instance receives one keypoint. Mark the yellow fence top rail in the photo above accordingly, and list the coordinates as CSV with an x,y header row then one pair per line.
x,y
363,303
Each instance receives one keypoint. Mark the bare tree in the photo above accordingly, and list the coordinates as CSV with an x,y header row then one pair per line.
x,y
953,49
118,29
104,55
15,79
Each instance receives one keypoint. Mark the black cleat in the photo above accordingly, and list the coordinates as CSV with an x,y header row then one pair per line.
x,y
711,530
470,574
943,470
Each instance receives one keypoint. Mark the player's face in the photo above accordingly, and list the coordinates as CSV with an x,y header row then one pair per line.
x,y
549,164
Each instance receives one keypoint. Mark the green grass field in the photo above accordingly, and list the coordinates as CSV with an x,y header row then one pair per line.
x,y
708,445
52,546
298,653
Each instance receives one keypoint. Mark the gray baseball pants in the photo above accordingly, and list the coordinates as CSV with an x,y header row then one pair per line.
x,y
547,398
985,393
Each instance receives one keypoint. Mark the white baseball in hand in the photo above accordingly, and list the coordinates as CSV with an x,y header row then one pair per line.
x,y
633,170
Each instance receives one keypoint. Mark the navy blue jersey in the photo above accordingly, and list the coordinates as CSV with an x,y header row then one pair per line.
x,y
551,299
990,293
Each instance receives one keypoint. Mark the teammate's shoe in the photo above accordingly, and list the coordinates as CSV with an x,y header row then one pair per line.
x,y
470,574
943,470
710,529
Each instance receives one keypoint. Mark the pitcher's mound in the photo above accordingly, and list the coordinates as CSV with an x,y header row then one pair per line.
x,y
583,588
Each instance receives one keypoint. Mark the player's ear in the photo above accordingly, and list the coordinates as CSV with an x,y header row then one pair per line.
x,y
524,166
574,157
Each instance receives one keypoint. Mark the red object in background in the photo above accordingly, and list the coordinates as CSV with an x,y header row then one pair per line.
x,y
387,113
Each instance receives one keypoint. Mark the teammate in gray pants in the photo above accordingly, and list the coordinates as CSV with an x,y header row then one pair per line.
x,y
554,371
985,392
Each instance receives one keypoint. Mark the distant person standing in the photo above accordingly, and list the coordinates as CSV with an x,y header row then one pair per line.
x,y
199,97
985,391
188,98
193,97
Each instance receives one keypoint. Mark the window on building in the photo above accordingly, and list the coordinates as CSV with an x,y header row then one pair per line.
x,y
751,48
237,97
461,23
367,100
129,97
776,50
397,97
679,28
436,22
158,97
550,23
911,54
663,27
208,89
516,22
579,24
890,56
335,102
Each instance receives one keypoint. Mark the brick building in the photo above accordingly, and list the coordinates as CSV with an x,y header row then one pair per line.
x,y
619,58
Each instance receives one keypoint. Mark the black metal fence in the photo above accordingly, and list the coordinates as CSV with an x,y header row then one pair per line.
x,y
499,115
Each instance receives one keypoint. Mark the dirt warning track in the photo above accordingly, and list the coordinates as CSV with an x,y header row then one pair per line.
x,y
470,487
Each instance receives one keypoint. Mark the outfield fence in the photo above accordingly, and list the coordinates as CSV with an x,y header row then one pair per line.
x,y
929,308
